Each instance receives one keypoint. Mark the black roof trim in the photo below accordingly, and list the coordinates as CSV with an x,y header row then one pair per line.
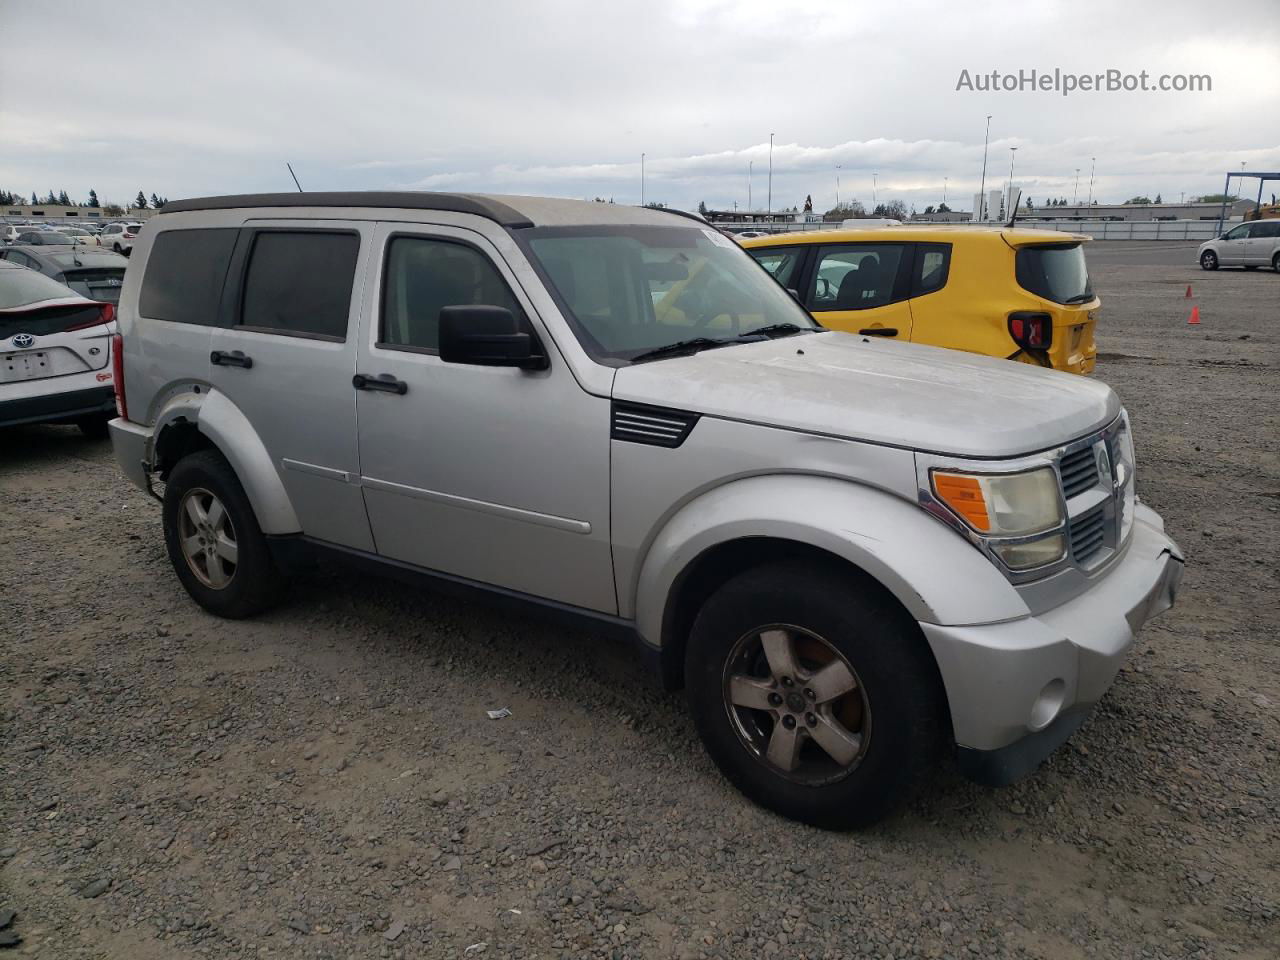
x,y
486,207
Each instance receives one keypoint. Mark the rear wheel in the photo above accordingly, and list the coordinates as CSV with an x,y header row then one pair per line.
x,y
214,541
115,247
814,693
1208,260
1275,262
95,428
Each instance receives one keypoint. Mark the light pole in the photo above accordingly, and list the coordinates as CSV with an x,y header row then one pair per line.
x,y
1093,163
770,210
642,179
1075,191
837,184
750,171
944,190
980,213
873,188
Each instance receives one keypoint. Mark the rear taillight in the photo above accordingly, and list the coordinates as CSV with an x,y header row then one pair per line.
x,y
117,375
106,313
1031,330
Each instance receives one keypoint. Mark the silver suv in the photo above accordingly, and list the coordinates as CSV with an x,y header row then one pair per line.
x,y
854,554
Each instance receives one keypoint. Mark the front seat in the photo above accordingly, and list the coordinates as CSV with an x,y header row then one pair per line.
x,y
859,287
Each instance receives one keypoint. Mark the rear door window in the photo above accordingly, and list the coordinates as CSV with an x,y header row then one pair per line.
x,y
933,263
299,283
184,275
857,276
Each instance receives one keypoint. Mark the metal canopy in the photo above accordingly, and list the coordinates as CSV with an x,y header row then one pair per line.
x,y
1261,176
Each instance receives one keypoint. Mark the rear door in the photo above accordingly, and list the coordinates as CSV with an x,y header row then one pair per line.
x,y
284,354
861,288
1263,237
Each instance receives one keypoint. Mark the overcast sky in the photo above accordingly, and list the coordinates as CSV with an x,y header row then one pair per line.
x,y
561,97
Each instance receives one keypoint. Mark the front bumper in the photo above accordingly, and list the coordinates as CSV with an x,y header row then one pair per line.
x,y
61,407
1019,688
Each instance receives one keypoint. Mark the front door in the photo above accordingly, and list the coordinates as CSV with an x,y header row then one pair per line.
x,y
492,474
861,288
285,357
1232,250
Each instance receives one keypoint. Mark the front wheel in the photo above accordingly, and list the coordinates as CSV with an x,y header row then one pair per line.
x,y
214,541
115,247
815,693
1208,260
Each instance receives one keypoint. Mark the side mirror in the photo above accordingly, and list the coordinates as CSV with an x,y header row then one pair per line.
x,y
488,337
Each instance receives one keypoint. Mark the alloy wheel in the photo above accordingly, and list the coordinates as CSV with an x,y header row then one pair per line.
x,y
208,538
797,704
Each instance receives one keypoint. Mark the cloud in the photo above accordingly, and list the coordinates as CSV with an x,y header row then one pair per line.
x,y
563,96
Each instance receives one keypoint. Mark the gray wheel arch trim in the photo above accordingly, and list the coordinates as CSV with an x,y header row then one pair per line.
x,y
934,573
229,429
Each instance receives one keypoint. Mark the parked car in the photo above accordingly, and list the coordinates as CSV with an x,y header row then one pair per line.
x,y
852,553
1018,294
1249,245
119,237
96,274
77,235
44,237
55,353
8,233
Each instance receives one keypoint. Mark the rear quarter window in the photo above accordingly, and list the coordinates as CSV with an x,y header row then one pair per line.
x,y
1055,272
184,275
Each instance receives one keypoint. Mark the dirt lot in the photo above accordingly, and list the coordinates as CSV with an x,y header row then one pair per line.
x,y
324,782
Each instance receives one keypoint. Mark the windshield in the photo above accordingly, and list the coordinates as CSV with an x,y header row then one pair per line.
x,y
1057,273
632,289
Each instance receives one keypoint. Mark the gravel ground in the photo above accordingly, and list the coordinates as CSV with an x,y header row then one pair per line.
x,y
324,782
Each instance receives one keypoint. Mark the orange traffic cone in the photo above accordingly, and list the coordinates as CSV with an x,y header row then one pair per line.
x,y
1188,296
1195,315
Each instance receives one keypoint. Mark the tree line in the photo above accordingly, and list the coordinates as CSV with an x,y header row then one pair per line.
x,y
62,199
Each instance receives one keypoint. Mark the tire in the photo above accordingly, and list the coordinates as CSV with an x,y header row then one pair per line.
x,y
234,588
95,428
1275,262
891,725
1208,260
115,247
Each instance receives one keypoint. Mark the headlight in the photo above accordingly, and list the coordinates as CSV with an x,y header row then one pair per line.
x,y
1017,506
1125,466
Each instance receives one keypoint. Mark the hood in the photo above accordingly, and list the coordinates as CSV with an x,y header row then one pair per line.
x,y
901,394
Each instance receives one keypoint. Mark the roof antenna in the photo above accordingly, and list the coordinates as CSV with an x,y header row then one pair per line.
x,y
1017,199
294,175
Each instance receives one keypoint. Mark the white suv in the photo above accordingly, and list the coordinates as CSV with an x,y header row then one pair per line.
x,y
55,353
850,552
1249,245
119,236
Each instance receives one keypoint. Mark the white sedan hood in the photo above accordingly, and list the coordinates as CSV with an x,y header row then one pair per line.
x,y
901,394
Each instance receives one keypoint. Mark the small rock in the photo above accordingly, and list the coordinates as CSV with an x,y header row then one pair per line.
x,y
6,918
394,930
1261,700
95,888
310,753
1017,808
298,924
8,853
537,865
453,863
9,938
1117,808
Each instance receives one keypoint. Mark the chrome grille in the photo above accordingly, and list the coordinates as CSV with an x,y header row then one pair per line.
x,y
1088,533
1079,472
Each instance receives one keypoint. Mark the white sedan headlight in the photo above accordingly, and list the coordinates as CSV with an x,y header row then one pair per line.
x,y
1019,514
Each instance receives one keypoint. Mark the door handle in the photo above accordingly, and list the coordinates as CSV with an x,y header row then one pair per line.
x,y
879,332
383,382
234,358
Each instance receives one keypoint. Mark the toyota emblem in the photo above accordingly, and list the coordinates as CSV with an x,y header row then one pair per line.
x,y
23,339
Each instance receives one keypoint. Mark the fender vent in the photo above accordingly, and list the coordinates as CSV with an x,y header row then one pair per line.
x,y
656,426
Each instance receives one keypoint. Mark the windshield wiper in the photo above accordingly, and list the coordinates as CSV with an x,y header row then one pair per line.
x,y
692,345
775,330
1079,297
